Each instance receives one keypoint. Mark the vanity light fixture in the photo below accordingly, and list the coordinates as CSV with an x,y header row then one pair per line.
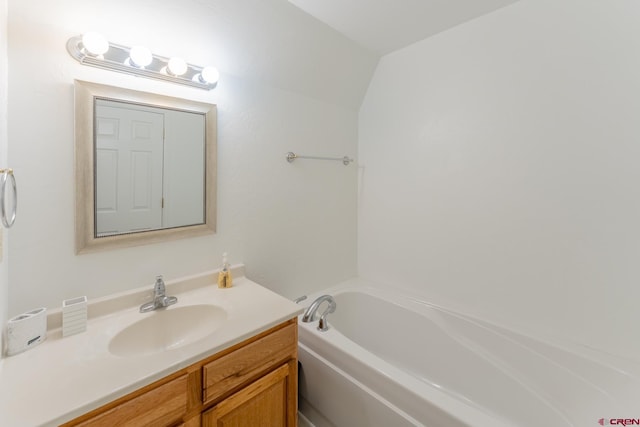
x,y
93,49
139,57
177,66
208,74
94,44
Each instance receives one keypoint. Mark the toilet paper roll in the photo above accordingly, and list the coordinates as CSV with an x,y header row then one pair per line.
x,y
26,331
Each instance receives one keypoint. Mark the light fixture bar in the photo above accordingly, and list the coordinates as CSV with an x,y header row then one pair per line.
x,y
117,59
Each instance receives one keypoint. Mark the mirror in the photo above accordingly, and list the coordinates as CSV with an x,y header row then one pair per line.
x,y
145,167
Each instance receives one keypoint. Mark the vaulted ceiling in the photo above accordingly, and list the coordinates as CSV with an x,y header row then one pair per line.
x,y
383,26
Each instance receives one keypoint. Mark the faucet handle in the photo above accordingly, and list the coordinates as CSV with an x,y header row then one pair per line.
x,y
159,286
322,323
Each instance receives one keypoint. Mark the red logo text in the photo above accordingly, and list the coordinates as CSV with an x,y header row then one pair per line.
x,y
619,422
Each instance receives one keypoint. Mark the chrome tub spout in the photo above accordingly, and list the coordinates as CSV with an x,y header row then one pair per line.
x,y
311,311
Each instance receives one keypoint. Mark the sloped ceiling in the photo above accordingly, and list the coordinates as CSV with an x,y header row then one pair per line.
x,y
274,42
383,26
329,54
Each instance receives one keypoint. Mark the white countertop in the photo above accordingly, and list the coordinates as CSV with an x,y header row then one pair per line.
x,y
63,378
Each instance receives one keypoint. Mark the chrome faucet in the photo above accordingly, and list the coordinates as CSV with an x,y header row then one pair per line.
x,y
311,311
160,300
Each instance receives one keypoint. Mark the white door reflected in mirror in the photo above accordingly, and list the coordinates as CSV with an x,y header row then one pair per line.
x,y
149,168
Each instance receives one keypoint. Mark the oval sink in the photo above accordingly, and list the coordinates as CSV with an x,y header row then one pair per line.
x,y
167,329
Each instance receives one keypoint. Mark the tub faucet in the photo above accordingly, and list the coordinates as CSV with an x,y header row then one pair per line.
x,y
160,300
311,311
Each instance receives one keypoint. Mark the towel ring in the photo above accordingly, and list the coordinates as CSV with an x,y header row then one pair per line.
x,y
4,177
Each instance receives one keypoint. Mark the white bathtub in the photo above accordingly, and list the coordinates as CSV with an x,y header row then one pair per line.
x,y
389,360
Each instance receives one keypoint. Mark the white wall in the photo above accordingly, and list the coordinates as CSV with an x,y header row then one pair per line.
x,y
4,264
293,225
501,170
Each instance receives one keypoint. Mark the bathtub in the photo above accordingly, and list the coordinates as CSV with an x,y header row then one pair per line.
x,y
393,360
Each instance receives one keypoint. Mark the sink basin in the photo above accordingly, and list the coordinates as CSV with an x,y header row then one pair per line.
x,y
167,329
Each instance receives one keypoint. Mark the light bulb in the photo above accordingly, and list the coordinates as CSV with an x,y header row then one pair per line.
x,y
177,66
140,56
209,75
94,44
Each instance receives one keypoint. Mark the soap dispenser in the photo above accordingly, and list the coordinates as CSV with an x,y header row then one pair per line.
x,y
224,277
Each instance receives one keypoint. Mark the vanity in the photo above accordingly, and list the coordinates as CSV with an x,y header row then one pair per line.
x,y
219,357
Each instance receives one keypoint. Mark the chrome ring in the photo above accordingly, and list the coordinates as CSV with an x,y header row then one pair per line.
x,y
291,157
3,185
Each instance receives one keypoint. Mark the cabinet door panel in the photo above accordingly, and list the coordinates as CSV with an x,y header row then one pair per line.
x,y
162,406
192,422
261,404
246,363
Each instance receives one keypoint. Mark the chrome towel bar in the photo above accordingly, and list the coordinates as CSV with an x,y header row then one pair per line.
x,y
292,156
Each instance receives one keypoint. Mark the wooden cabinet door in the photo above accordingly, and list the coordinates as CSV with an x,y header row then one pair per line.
x,y
192,422
264,403
162,406
241,366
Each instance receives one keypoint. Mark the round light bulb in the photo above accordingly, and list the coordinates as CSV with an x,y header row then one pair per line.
x,y
140,56
177,66
95,44
209,75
